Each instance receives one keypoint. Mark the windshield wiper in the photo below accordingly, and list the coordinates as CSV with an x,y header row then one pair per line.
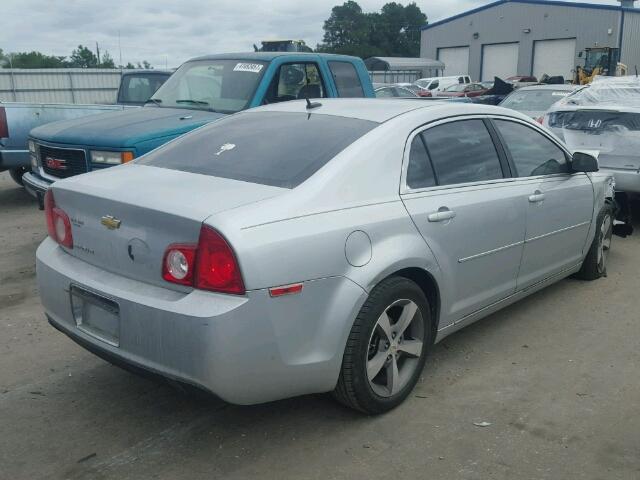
x,y
193,102
157,101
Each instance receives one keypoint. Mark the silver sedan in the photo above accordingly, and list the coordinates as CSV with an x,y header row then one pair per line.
x,y
301,248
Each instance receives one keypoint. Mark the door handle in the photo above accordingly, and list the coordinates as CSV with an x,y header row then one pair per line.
x,y
443,214
537,197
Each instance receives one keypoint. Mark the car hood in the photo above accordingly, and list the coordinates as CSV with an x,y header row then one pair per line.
x,y
126,128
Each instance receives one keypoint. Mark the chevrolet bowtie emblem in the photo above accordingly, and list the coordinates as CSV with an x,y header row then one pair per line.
x,y
110,222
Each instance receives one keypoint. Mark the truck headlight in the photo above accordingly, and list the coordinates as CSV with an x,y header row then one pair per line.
x,y
33,155
110,158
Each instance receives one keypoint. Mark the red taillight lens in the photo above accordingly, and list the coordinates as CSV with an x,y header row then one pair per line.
x,y
58,223
217,266
4,126
210,265
178,264
540,120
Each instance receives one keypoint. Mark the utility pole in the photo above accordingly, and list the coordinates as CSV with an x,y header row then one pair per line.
x,y
98,53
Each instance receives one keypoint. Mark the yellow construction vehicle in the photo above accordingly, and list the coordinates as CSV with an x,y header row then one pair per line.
x,y
599,61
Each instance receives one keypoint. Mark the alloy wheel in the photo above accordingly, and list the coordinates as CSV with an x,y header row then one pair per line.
x,y
395,347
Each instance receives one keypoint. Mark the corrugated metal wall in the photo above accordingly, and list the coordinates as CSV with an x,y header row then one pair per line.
x,y
508,22
630,54
59,85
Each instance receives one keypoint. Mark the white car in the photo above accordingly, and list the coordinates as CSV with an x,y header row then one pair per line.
x,y
437,84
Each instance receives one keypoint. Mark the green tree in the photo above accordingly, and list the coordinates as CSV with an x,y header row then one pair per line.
x,y
106,61
394,31
82,57
146,65
30,60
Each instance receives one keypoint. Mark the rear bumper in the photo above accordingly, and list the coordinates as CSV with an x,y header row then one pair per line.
x,y
244,349
10,159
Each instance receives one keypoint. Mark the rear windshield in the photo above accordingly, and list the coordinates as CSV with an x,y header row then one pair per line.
x,y
533,100
280,149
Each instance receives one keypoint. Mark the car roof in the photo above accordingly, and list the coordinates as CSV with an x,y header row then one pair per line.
x,y
267,56
559,86
380,109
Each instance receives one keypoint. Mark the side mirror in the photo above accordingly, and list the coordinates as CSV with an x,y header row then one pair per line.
x,y
584,162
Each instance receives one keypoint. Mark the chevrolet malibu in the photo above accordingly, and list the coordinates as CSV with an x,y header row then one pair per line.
x,y
302,247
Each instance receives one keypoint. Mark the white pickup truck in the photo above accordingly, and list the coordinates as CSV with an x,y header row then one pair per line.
x,y
17,119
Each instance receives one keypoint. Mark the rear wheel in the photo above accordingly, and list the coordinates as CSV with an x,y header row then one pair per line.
x,y
387,347
17,173
595,263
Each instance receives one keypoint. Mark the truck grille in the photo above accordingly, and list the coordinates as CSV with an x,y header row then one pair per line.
x,y
62,162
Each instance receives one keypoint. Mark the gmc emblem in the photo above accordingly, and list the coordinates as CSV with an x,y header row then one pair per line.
x,y
55,163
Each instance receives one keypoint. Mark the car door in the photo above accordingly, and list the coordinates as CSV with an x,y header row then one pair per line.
x,y
471,216
560,203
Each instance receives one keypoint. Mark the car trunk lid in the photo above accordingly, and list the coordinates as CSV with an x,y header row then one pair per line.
x,y
124,218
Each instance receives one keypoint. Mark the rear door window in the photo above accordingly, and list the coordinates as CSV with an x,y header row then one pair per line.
x,y
346,78
419,171
532,153
462,152
295,81
280,149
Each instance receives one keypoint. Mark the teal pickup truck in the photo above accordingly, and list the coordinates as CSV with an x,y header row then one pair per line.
x,y
202,90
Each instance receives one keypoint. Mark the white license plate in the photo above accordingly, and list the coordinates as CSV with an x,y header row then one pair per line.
x,y
96,315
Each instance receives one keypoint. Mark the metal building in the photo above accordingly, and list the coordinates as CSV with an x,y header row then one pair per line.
x,y
531,37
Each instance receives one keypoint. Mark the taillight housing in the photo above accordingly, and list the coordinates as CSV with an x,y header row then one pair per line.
x,y
209,265
58,222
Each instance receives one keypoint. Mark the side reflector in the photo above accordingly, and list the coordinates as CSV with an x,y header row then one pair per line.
x,y
4,126
285,290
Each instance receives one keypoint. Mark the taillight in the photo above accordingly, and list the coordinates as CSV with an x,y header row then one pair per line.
x,y
540,120
209,265
4,126
58,223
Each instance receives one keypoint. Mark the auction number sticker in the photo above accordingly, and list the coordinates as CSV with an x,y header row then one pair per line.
x,y
248,67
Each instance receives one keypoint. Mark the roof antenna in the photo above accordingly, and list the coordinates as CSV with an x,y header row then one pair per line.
x,y
311,105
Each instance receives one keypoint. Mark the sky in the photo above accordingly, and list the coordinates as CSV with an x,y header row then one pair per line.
x,y
168,32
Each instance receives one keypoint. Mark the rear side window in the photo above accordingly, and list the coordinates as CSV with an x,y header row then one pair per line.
x,y
462,152
280,149
532,153
419,171
346,78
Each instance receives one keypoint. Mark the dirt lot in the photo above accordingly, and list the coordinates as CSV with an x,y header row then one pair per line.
x,y
556,375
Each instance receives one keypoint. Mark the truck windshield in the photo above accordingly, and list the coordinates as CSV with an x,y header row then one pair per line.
x,y
224,86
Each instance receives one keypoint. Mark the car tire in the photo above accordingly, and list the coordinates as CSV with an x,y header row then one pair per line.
x,y
17,173
594,265
401,342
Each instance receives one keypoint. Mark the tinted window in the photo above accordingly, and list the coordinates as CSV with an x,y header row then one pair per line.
x,y
385,92
282,149
434,84
462,152
346,78
419,171
295,81
532,152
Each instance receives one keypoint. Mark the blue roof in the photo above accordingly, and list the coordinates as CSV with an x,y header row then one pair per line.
x,y
264,56
552,3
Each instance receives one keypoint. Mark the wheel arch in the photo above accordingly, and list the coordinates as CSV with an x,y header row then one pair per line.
x,y
429,286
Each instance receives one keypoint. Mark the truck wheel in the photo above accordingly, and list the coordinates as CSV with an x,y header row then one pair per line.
x,y
17,173
595,263
387,347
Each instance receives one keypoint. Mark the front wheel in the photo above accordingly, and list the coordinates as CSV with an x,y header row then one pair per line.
x,y
595,263
387,347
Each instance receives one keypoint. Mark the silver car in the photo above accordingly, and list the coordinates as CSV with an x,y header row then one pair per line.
x,y
300,248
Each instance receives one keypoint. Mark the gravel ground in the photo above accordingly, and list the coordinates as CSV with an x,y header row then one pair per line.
x,y
556,376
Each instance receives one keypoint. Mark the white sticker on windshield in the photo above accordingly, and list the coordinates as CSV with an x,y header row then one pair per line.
x,y
560,94
248,67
